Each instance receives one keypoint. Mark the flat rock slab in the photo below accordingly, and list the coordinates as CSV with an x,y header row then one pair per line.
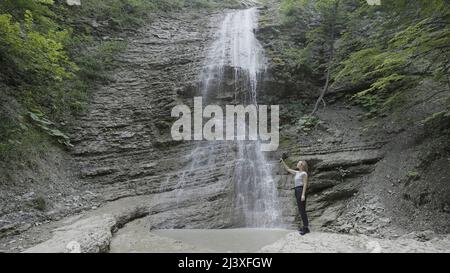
x,y
319,242
86,235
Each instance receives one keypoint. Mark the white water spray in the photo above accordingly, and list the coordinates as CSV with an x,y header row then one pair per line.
x,y
237,47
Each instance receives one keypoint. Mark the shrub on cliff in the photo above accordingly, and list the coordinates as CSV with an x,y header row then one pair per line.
x,y
382,50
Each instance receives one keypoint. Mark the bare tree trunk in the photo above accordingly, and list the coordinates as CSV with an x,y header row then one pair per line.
x,y
330,60
322,94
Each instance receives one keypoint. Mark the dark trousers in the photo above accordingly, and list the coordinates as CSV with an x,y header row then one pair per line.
x,y
301,205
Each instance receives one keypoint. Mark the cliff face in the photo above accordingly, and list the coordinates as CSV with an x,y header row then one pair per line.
x,y
123,143
378,175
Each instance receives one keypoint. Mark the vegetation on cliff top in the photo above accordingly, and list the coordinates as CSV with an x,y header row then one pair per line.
x,y
381,49
51,54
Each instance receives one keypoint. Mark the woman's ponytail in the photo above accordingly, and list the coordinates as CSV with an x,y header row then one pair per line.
x,y
305,165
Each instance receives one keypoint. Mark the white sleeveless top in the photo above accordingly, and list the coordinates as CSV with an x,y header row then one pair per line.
x,y
298,180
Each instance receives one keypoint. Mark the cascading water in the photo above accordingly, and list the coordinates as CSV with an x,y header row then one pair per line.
x,y
237,48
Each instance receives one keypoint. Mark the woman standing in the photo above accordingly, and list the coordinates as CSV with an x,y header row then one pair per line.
x,y
300,187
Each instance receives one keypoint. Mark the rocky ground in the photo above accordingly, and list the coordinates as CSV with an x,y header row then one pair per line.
x,y
122,226
341,243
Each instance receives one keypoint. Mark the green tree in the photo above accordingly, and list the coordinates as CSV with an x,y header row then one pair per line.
x,y
406,41
31,51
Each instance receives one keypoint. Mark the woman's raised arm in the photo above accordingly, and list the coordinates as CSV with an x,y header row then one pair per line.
x,y
286,167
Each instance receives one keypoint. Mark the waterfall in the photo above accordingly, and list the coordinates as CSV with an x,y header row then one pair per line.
x,y
236,48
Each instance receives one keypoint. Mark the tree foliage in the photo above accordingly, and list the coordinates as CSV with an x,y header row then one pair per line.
x,y
322,21
32,49
51,55
415,44
386,48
